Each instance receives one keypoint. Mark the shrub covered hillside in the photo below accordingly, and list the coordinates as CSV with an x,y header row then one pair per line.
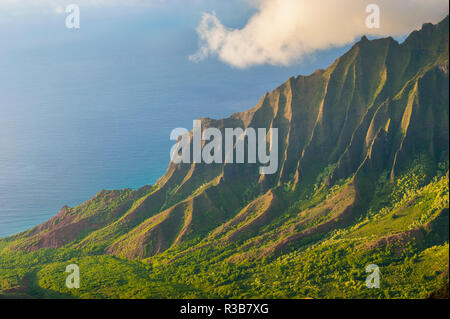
x,y
362,179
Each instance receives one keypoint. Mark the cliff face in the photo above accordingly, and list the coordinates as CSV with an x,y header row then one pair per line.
x,y
374,110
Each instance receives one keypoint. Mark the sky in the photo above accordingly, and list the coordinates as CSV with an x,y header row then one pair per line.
x,y
246,33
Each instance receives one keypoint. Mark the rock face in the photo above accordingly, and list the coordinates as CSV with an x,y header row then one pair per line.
x,y
373,110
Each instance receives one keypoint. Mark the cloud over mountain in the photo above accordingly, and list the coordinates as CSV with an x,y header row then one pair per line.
x,y
282,32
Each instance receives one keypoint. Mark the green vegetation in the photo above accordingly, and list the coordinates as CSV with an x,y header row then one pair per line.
x,y
332,267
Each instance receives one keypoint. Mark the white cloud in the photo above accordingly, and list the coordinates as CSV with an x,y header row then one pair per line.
x,y
284,31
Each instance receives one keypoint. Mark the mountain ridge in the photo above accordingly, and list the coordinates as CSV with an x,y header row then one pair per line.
x,y
348,136
279,103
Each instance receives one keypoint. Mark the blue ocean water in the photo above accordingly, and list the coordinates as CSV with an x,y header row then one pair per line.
x,y
92,109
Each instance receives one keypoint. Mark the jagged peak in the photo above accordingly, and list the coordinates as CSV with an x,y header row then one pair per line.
x,y
428,28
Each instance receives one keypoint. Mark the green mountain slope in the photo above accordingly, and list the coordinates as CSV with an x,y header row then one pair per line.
x,y
362,179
